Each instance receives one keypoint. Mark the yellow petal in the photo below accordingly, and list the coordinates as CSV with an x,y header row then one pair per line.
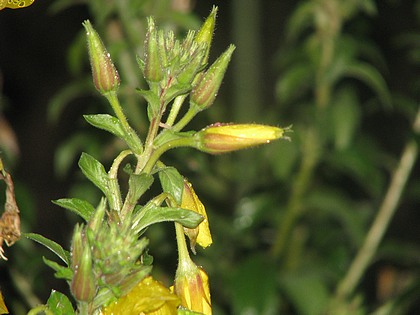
x,y
149,297
15,4
201,234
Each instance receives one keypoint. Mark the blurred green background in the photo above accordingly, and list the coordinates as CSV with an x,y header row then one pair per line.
x,y
287,219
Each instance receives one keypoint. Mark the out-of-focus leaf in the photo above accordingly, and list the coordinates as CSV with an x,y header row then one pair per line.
x,y
294,83
94,171
254,287
307,292
51,245
345,117
172,182
59,304
78,206
66,95
283,158
301,19
371,77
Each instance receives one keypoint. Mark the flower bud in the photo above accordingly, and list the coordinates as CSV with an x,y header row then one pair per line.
x,y
205,91
221,138
205,34
83,285
153,71
201,234
105,75
192,287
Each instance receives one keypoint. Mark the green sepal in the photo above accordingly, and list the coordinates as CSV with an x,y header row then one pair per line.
x,y
78,206
95,172
59,304
172,182
149,215
106,122
61,272
51,245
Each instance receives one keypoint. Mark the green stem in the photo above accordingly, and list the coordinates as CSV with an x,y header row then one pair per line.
x,y
116,202
133,141
176,106
176,143
380,224
294,207
183,254
190,114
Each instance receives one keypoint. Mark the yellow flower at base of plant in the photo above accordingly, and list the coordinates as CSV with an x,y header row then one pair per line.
x,y
201,234
192,287
149,297
221,138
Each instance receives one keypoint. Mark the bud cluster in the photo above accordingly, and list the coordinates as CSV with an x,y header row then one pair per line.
x,y
104,258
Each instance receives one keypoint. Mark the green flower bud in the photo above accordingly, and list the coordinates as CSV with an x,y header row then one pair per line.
x,y
221,138
83,285
205,91
205,34
105,75
190,70
153,71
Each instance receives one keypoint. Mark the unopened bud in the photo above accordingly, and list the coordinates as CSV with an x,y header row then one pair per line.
x,y
205,34
153,71
205,91
221,138
83,285
192,287
105,75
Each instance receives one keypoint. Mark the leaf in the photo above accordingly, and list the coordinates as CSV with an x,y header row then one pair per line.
x,y
345,118
106,122
61,271
77,206
59,304
370,76
153,102
294,83
51,245
138,185
307,292
149,215
172,182
255,272
94,171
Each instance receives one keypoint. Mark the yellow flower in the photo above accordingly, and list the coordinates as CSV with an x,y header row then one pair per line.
x,y
201,234
149,297
221,138
192,287
15,4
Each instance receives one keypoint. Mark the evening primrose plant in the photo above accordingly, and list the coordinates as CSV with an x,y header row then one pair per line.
x,y
108,267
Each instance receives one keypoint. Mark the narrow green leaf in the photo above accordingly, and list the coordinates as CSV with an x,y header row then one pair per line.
x,y
106,122
172,182
370,76
151,215
61,271
59,304
94,171
78,206
51,245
